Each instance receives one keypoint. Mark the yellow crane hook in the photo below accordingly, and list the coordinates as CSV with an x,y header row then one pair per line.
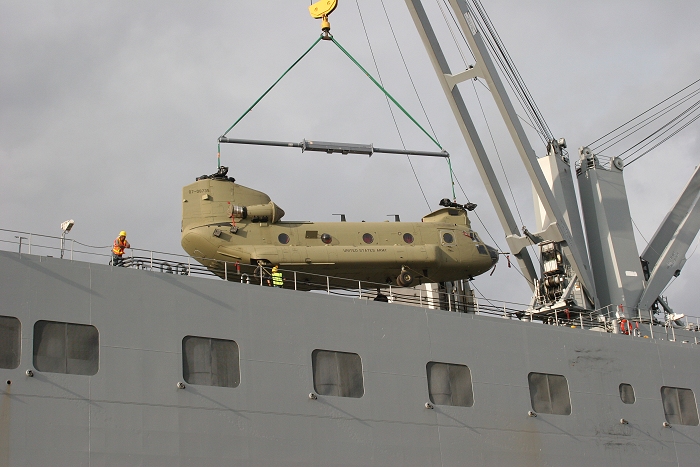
x,y
321,10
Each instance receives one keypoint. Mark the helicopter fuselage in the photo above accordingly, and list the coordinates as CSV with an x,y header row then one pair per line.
x,y
224,221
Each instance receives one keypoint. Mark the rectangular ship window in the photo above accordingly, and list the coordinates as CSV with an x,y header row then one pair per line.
x,y
10,342
627,393
549,393
66,348
450,384
210,362
337,373
679,406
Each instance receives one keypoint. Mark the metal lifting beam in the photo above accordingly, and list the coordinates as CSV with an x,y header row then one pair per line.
x,y
331,148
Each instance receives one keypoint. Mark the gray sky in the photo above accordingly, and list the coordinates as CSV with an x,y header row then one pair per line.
x,y
108,108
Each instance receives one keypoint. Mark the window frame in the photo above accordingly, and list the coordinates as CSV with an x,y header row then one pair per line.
x,y
683,417
15,353
41,349
190,376
535,403
634,395
468,395
326,389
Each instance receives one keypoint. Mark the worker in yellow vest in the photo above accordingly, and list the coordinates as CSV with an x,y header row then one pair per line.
x,y
277,277
120,244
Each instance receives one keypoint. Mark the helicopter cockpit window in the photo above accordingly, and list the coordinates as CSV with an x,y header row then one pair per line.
x,y
283,238
367,238
448,237
408,238
326,238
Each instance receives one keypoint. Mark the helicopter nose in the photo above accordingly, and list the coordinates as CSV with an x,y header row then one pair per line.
x,y
493,253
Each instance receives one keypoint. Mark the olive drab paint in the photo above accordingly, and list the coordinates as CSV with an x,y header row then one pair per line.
x,y
225,221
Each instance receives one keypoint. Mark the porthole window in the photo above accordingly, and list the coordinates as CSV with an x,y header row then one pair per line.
x,y
367,238
549,393
67,348
210,362
337,373
450,384
408,238
627,393
679,406
10,342
283,238
326,238
448,237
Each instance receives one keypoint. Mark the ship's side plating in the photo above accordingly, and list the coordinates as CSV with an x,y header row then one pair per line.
x,y
131,411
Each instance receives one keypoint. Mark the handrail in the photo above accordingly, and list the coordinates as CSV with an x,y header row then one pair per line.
x,y
180,264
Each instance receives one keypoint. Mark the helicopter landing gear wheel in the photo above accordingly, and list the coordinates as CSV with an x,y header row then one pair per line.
x,y
405,279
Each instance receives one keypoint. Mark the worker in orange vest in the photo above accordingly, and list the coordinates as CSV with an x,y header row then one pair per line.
x,y
118,250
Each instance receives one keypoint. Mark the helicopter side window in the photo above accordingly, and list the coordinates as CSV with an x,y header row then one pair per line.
x,y
367,238
448,237
408,238
326,238
283,238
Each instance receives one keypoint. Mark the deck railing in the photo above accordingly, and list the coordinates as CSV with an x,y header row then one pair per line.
x,y
607,318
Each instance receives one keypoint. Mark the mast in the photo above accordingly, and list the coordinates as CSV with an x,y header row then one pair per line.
x,y
574,249
471,136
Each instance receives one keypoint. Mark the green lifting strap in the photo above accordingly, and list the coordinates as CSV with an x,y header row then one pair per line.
x,y
381,88
386,93
265,94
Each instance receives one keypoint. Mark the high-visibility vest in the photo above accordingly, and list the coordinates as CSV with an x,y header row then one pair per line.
x,y
277,279
119,246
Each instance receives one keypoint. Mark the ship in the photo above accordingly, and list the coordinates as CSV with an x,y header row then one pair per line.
x,y
162,362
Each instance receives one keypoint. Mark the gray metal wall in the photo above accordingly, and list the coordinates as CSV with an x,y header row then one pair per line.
x,y
131,412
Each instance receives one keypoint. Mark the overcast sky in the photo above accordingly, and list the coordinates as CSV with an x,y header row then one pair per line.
x,y
107,109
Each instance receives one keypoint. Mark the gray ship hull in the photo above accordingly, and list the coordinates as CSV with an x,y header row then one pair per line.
x,y
131,412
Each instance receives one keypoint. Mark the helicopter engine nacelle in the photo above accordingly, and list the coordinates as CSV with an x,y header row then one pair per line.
x,y
269,212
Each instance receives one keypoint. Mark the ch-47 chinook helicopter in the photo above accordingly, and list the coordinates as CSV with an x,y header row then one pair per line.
x,y
225,221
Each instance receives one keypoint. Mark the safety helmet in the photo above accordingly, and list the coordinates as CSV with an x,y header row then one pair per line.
x,y
275,268
122,233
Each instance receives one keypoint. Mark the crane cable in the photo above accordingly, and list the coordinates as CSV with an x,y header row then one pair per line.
x,y
510,71
648,110
391,110
660,134
641,124
386,93
381,88
488,126
265,94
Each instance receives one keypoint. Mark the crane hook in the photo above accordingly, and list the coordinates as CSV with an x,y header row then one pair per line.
x,y
322,9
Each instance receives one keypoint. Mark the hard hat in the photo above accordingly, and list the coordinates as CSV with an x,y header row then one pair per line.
x,y
274,268
122,233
